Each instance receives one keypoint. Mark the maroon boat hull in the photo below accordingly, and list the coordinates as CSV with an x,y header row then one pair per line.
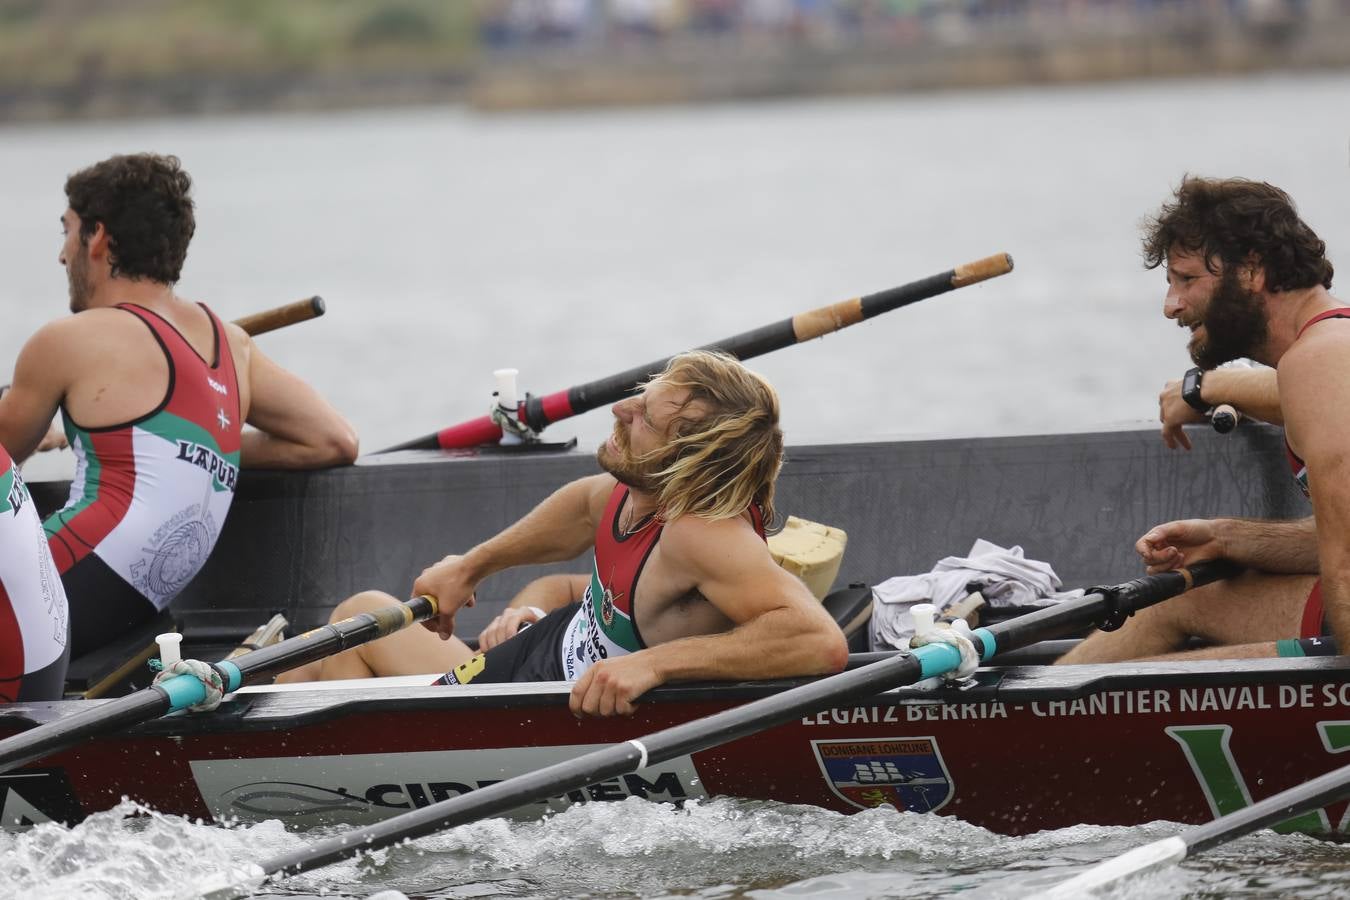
x,y
1026,749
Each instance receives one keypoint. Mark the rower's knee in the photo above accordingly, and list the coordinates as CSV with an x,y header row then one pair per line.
x,y
366,601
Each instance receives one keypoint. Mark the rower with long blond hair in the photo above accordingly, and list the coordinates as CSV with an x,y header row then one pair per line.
x,y
682,585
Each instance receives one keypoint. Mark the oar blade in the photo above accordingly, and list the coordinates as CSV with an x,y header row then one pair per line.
x,y
1113,871
236,883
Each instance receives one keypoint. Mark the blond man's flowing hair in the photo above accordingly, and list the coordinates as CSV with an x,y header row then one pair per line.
x,y
715,466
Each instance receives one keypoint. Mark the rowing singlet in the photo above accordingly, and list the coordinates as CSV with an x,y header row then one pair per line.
x,y
33,614
1299,468
150,496
605,625
1314,615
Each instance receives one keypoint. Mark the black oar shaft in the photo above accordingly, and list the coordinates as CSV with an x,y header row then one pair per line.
x,y
102,717
1073,616
731,724
539,412
612,761
332,638
801,327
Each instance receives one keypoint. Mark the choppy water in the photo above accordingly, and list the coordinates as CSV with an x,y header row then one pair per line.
x,y
578,244
710,849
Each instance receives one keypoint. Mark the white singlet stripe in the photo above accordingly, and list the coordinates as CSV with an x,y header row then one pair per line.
x,y
641,749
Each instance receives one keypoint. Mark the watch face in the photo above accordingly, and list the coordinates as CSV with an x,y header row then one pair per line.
x,y
1190,391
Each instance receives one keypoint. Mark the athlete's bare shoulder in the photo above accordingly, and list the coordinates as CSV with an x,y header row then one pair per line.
x,y
83,332
694,537
241,342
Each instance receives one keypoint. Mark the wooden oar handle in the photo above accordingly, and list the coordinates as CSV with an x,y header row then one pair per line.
x,y
982,269
272,319
828,319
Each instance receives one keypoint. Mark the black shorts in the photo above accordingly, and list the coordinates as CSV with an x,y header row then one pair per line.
x,y
102,605
532,655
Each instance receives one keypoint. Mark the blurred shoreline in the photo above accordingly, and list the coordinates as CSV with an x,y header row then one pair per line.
x,y
104,60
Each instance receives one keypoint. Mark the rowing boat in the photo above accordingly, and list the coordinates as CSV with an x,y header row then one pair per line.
x,y
1025,747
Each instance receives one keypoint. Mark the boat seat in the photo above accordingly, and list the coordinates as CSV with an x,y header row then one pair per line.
x,y
119,666
851,608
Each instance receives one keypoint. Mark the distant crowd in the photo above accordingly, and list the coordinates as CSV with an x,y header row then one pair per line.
x,y
582,25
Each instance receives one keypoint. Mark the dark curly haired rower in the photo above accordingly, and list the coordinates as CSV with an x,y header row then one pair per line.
x,y
1250,279
153,390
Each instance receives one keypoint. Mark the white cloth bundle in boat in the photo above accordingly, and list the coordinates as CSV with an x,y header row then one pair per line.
x,y
1003,575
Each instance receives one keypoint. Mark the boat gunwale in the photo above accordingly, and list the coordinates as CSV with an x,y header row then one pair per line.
x,y
267,711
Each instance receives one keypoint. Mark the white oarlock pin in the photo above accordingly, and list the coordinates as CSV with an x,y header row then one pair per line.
x,y
507,403
170,647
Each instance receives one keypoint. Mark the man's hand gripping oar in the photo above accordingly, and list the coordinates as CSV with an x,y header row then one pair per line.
x,y
190,691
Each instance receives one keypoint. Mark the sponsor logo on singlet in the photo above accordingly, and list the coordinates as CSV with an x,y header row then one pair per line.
x,y
217,386
17,495
174,553
607,609
225,473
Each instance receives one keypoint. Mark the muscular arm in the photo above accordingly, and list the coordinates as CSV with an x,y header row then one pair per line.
x,y
1315,382
29,404
781,630
296,428
559,528
1279,546
1253,392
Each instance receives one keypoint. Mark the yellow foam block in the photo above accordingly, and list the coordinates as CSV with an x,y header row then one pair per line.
x,y
811,551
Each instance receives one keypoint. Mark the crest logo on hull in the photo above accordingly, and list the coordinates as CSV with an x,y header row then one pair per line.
x,y
906,773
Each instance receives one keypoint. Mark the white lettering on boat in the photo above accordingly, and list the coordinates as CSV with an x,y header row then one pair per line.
x,y
1143,701
913,712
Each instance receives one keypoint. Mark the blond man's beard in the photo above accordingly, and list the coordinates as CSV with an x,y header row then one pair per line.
x,y
629,470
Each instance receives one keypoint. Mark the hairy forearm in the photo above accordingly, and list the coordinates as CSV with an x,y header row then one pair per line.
x,y
1285,547
1254,392
781,643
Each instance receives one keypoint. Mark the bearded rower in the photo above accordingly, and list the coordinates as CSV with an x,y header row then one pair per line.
x,y
1251,280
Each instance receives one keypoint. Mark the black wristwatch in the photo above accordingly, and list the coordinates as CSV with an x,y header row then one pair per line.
x,y
1190,390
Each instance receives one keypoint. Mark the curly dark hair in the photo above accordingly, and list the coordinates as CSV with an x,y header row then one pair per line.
x,y
1232,219
144,202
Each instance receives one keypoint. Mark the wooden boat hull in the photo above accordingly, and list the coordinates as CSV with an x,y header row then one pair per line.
x,y
1025,749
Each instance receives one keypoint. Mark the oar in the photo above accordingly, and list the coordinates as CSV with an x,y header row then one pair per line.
x,y
289,314
537,412
183,691
1101,607
1315,794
